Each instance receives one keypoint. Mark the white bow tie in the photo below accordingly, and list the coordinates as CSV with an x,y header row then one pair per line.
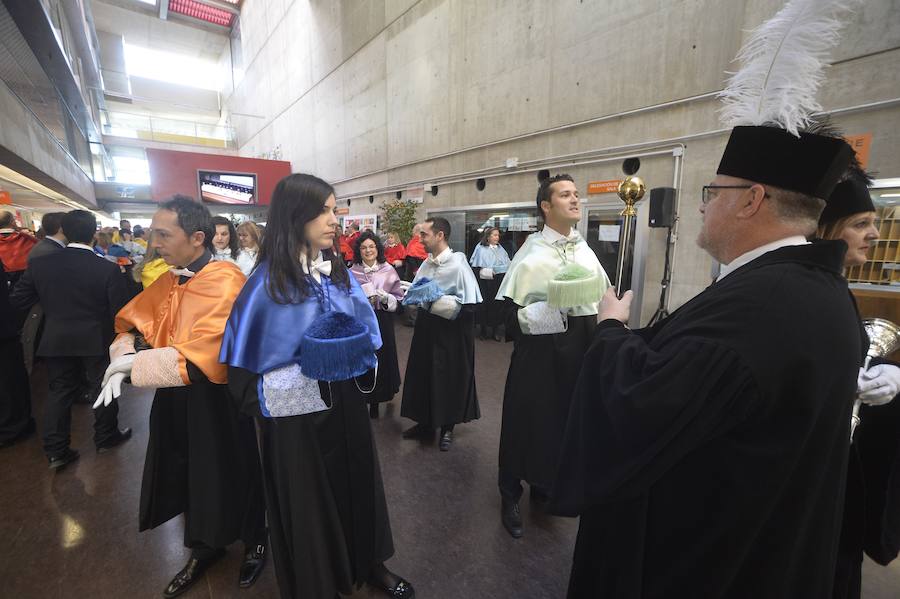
x,y
567,240
182,272
322,267
370,269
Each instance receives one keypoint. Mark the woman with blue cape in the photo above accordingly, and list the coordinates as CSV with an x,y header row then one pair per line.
x,y
489,263
299,335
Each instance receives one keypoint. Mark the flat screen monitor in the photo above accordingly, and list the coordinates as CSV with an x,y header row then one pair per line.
x,y
219,187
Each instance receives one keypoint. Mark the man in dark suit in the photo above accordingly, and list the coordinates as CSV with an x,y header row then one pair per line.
x,y
54,239
80,294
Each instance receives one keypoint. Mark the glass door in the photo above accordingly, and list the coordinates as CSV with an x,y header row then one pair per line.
x,y
600,227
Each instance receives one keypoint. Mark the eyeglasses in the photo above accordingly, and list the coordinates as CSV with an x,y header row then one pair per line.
x,y
707,197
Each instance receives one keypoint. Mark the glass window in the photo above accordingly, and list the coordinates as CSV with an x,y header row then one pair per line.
x,y
172,68
883,266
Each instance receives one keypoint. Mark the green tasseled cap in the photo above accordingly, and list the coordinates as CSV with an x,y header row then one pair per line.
x,y
574,285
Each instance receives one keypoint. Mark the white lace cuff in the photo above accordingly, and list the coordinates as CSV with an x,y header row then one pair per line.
x,y
446,306
157,368
540,318
287,392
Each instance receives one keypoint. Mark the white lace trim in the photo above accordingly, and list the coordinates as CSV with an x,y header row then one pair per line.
x,y
287,392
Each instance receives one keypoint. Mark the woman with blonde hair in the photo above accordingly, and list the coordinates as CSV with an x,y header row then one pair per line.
x,y
249,237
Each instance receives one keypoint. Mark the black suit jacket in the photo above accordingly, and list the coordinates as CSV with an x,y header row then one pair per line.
x,y
42,248
80,293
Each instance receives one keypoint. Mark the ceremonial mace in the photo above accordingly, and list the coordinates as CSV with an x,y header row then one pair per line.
x,y
884,339
631,190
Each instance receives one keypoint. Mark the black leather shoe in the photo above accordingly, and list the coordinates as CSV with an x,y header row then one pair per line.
x,y
114,441
403,590
63,459
446,440
417,432
252,567
512,518
191,573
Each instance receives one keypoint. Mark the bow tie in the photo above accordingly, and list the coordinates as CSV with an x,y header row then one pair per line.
x,y
567,240
323,267
370,269
182,272
433,260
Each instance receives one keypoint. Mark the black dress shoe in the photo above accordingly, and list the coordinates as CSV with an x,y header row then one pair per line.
x,y
117,439
252,566
512,518
446,440
402,590
63,459
191,573
418,432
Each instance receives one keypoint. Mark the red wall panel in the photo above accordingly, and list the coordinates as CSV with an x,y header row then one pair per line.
x,y
174,172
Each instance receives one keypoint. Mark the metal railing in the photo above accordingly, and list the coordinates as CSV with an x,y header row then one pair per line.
x,y
166,130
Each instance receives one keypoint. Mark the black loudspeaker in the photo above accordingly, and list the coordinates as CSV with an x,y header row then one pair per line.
x,y
662,207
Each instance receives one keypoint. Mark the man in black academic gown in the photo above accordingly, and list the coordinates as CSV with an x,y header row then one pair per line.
x,y
707,454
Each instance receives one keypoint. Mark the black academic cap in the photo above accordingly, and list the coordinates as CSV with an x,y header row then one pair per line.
x,y
849,197
810,164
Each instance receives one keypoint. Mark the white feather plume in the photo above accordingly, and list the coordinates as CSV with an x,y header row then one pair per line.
x,y
782,66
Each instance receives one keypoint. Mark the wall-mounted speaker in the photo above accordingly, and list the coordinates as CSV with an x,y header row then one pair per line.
x,y
662,207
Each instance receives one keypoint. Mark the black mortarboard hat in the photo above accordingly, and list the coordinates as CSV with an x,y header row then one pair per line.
x,y
810,164
849,197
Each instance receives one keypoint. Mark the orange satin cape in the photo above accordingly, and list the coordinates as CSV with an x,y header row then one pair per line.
x,y
190,317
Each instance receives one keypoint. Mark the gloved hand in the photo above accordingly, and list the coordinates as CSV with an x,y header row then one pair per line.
x,y
111,390
879,384
121,364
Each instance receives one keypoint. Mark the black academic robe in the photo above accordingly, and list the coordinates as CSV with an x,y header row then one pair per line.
x,y
328,519
439,386
388,382
542,374
707,455
202,462
871,522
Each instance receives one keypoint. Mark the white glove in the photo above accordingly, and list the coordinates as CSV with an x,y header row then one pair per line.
x,y
111,390
540,318
879,384
121,364
486,274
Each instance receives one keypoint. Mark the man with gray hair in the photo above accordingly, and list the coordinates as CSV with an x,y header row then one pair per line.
x,y
706,454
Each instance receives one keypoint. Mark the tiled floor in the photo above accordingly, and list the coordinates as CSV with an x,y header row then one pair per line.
x,y
74,534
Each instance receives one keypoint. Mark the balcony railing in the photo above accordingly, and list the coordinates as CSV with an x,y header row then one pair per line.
x,y
153,128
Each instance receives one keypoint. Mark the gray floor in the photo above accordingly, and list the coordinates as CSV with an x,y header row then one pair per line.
x,y
74,534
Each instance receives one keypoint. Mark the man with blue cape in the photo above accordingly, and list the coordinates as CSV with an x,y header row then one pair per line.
x,y
439,386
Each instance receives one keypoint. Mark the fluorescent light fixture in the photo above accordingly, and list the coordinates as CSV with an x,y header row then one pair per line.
x,y
890,195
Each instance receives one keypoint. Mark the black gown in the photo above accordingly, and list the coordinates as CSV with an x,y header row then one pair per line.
x,y
542,374
707,455
439,386
871,522
388,382
328,519
490,311
202,462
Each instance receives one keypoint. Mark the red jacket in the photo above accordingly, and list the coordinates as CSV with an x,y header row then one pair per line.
x,y
415,249
14,248
393,253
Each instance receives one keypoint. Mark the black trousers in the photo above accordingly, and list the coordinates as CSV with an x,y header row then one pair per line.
x,y
66,376
15,391
511,487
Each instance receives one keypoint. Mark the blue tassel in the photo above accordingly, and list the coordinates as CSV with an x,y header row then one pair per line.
x,y
336,347
423,291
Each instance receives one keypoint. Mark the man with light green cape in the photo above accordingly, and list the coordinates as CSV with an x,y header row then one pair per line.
x,y
553,284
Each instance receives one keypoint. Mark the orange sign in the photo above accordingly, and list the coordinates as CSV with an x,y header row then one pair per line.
x,y
603,186
5,198
342,211
861,145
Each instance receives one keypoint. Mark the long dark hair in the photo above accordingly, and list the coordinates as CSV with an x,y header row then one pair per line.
x,y
232,235
297,199
379,247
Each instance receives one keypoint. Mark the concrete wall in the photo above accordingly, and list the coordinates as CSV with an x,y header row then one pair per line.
x,y
372,94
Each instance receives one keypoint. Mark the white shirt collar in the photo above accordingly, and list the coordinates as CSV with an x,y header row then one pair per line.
x,y
80,246
551,235
7,230
752,255
443,256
